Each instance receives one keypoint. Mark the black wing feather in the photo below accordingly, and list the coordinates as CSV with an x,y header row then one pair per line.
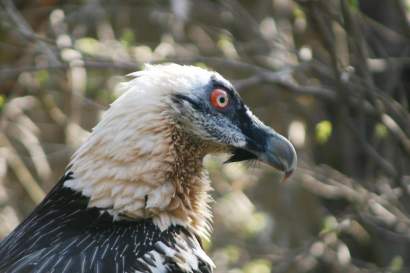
x,y
62,235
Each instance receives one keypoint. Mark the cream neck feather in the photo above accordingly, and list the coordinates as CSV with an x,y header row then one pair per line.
x,y
137,163
155,172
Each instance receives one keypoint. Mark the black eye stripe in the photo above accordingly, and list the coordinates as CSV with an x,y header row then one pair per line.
x,y
220,85
224,88
178,98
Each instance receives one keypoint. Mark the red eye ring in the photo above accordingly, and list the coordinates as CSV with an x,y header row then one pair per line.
x,y
219,99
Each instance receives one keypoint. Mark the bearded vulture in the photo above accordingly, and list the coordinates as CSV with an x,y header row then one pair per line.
x,y
134,197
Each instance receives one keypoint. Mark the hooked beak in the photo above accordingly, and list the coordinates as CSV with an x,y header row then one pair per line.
x,y
279,153
275,150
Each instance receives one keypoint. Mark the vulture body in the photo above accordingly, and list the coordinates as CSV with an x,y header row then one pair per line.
x,y
63,235
135,196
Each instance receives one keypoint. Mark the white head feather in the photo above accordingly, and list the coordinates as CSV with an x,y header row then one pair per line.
x,y
125,163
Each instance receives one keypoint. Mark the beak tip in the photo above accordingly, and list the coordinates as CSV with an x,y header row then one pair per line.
x,y
287,175
283,155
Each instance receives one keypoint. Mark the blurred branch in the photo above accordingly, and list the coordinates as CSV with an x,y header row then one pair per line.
x,y
20,170
10,72
26,31
386,166
331,184
283,79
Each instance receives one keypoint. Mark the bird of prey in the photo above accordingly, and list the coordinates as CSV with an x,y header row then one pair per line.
x,y
134,197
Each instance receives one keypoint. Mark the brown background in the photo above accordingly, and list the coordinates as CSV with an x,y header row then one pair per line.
x,y
331,75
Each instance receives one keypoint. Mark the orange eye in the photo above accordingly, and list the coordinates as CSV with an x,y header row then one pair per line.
x,y
219,99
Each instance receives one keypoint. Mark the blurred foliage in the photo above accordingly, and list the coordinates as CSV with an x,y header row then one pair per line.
x,y
323,131
332,75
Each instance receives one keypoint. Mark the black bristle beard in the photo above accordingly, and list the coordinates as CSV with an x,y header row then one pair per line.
x,y
239,154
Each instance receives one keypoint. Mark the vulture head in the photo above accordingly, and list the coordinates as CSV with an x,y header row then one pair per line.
x,y
144,158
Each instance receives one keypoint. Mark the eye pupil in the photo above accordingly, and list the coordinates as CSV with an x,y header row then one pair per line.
x,y
222,100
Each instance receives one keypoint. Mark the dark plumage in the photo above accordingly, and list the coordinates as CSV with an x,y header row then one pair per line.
x,y
62,235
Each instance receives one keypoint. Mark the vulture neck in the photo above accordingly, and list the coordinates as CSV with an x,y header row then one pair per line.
x,y
155,172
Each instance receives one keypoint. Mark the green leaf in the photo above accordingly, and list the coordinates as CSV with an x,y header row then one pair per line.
x,y
207,244
380,130
2,101
298,13
258,266
88,45
323,131
233,252
354,4
201,65
329,224
127,37
396,264
42,77
257,223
